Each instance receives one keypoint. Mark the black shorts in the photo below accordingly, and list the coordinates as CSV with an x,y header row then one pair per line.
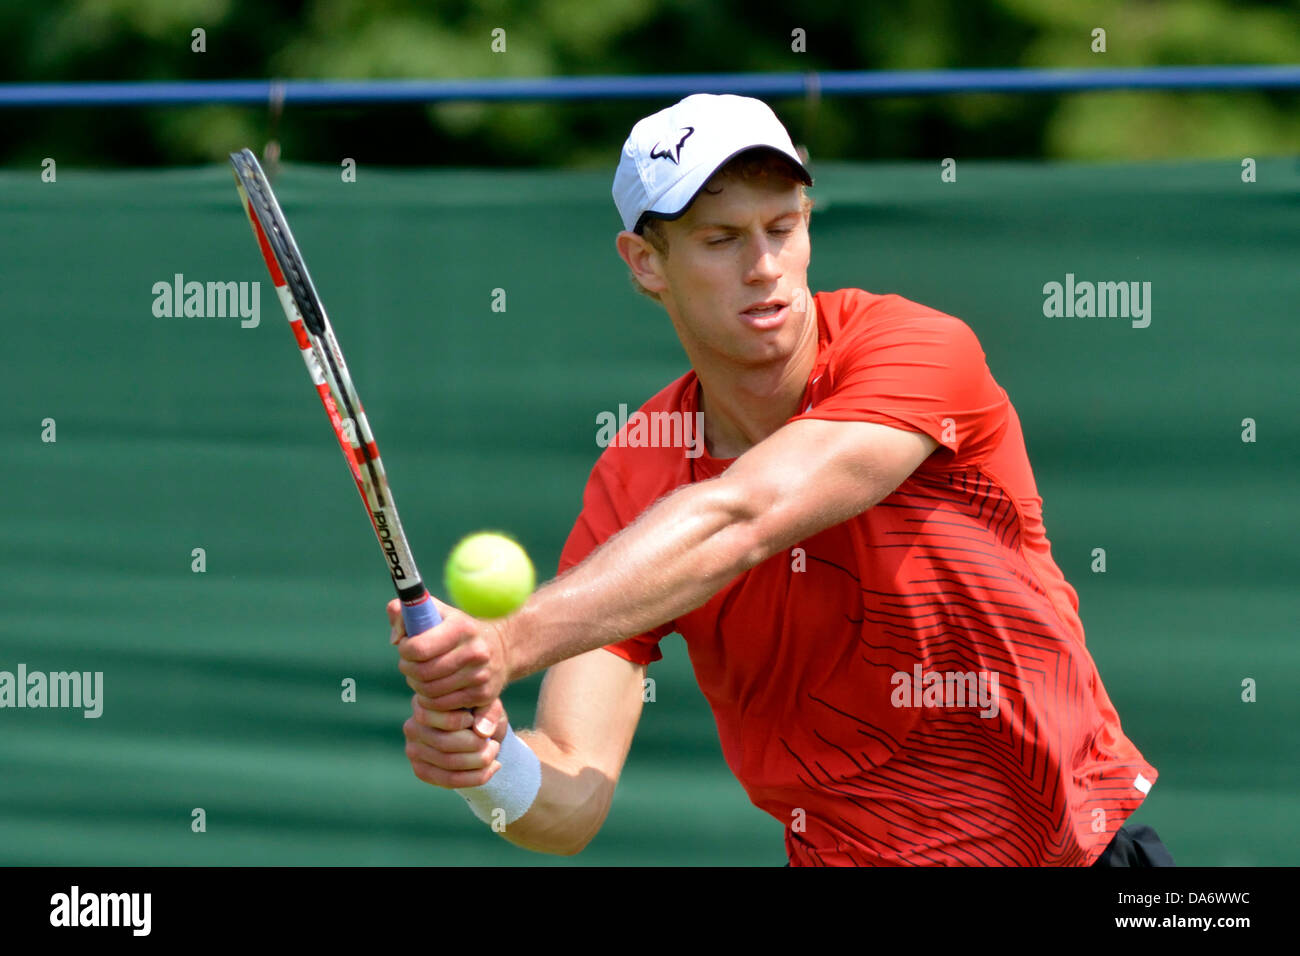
x,y
1134,846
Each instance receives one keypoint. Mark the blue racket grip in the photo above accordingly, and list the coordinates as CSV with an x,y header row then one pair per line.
x,y
420,617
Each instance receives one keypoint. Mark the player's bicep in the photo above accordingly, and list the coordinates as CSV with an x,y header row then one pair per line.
x,y
589,707
812,474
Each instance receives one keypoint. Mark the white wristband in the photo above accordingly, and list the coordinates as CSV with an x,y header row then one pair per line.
x,y
513,788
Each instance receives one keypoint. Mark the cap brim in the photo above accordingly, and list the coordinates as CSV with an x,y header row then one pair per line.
x,y
685,192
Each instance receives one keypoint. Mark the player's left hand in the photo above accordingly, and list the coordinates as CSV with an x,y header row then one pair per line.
x,y
446,752
460,663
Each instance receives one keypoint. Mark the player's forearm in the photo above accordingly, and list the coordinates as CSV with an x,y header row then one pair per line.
x,y
570,805
671,560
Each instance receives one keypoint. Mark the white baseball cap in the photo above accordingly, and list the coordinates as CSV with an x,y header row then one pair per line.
x,y
669,156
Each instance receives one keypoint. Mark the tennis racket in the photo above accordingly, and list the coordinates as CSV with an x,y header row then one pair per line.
x,y
329,373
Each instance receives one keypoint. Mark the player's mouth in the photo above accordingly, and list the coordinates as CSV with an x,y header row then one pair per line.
x,y
766,315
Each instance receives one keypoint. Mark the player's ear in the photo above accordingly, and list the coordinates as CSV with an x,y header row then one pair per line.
x,y
642,258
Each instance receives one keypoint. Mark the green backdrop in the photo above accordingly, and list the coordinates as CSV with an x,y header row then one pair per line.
x,y
223,688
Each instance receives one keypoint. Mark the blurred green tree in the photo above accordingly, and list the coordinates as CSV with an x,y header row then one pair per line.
x,y
153,40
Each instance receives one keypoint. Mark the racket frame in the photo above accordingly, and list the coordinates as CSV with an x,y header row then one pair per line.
x,y
329,373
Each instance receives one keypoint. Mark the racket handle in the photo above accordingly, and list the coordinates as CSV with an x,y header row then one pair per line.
x,y
420,616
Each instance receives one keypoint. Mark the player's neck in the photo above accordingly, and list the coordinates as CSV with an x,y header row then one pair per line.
x,y
742,406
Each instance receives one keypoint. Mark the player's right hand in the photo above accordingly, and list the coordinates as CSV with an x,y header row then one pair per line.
x,y
445,750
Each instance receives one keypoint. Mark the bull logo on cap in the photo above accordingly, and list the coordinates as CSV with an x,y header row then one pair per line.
x,y
674,154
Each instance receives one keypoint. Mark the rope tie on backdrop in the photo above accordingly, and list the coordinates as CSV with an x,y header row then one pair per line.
x,y
275,110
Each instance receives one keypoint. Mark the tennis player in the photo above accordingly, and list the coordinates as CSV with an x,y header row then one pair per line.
x,y
855,557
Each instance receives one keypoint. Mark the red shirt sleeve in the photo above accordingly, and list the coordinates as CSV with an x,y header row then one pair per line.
x,y
607,509
920,372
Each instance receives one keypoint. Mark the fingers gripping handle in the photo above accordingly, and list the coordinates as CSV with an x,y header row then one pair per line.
x,y
420,616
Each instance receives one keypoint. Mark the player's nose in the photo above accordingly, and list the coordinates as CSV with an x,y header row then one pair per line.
x,y
765,266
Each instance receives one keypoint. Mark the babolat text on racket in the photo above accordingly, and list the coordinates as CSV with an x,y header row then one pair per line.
x,y
329,373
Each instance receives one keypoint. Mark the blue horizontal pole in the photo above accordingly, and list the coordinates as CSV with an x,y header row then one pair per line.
x,y
845,83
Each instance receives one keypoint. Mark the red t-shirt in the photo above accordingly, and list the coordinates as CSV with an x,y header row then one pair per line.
x,y
846,675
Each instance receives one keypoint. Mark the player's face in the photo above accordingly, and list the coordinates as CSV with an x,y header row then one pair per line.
x,y
737,271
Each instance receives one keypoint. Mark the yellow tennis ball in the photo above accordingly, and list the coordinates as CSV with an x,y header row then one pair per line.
x,y
489,575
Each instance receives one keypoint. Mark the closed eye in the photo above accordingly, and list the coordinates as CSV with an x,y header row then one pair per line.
x,y
782,231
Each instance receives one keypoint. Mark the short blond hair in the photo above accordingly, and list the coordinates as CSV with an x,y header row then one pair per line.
x,y
750,166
